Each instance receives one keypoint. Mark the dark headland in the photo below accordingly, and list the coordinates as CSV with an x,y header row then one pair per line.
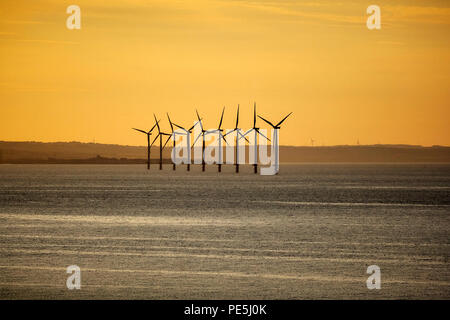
x,y
97,153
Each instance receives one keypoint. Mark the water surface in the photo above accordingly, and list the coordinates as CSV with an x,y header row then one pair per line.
x,y
308,233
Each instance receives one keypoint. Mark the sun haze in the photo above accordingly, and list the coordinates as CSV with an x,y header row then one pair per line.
x,y
132,58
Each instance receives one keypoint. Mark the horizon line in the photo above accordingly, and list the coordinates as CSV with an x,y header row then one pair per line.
x,y
268,144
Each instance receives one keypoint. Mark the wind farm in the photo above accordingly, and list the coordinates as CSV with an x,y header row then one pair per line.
x,y
236,154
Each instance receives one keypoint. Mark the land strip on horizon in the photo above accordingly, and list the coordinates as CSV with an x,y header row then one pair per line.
x,y
77,152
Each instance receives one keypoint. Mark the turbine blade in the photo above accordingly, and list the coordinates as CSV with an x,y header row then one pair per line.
x,y
221,118
171,125
248,132
199,120
229,132
223,137
156,122
257,130
154,139
242,136
153,127
139,130
180,127
168,138
196,139
237,117
194,125
266,121
283,119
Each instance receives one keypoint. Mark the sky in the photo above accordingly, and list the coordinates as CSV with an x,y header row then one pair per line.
x,y
131,58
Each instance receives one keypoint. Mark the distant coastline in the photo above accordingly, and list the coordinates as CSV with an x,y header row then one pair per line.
x,y
96,153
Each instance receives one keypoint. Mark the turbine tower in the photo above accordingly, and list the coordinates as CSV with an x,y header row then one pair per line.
x,y
219,131
275,138
148,133
173,135
239,135
160,135
256,132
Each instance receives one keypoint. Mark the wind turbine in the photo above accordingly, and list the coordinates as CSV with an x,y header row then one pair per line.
x,y
173,135
239,135
188,141
160,135
202,134
312,142
275,138
148,133
219,130
255,131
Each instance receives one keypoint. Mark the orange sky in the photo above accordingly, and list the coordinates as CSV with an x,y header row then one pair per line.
x,y
316,58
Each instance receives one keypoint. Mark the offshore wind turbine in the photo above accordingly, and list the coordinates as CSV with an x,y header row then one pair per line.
x,y
275,142
160,135
202,134
173,135
219,131
239,135
188,141
256,132
148,133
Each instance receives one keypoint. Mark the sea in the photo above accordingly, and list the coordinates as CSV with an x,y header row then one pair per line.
x,y
310,232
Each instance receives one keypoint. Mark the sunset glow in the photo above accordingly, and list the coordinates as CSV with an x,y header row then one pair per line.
x,y
133,58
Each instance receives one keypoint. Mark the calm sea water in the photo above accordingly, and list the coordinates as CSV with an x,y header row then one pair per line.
x,y
310,232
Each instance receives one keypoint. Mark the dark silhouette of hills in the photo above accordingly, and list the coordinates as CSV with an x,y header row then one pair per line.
x,y
77,152
369,153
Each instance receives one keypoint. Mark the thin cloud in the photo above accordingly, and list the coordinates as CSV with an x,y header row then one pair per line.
x,y
300,10
416,14
39,89
42,41
23,22
390,14
392,43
